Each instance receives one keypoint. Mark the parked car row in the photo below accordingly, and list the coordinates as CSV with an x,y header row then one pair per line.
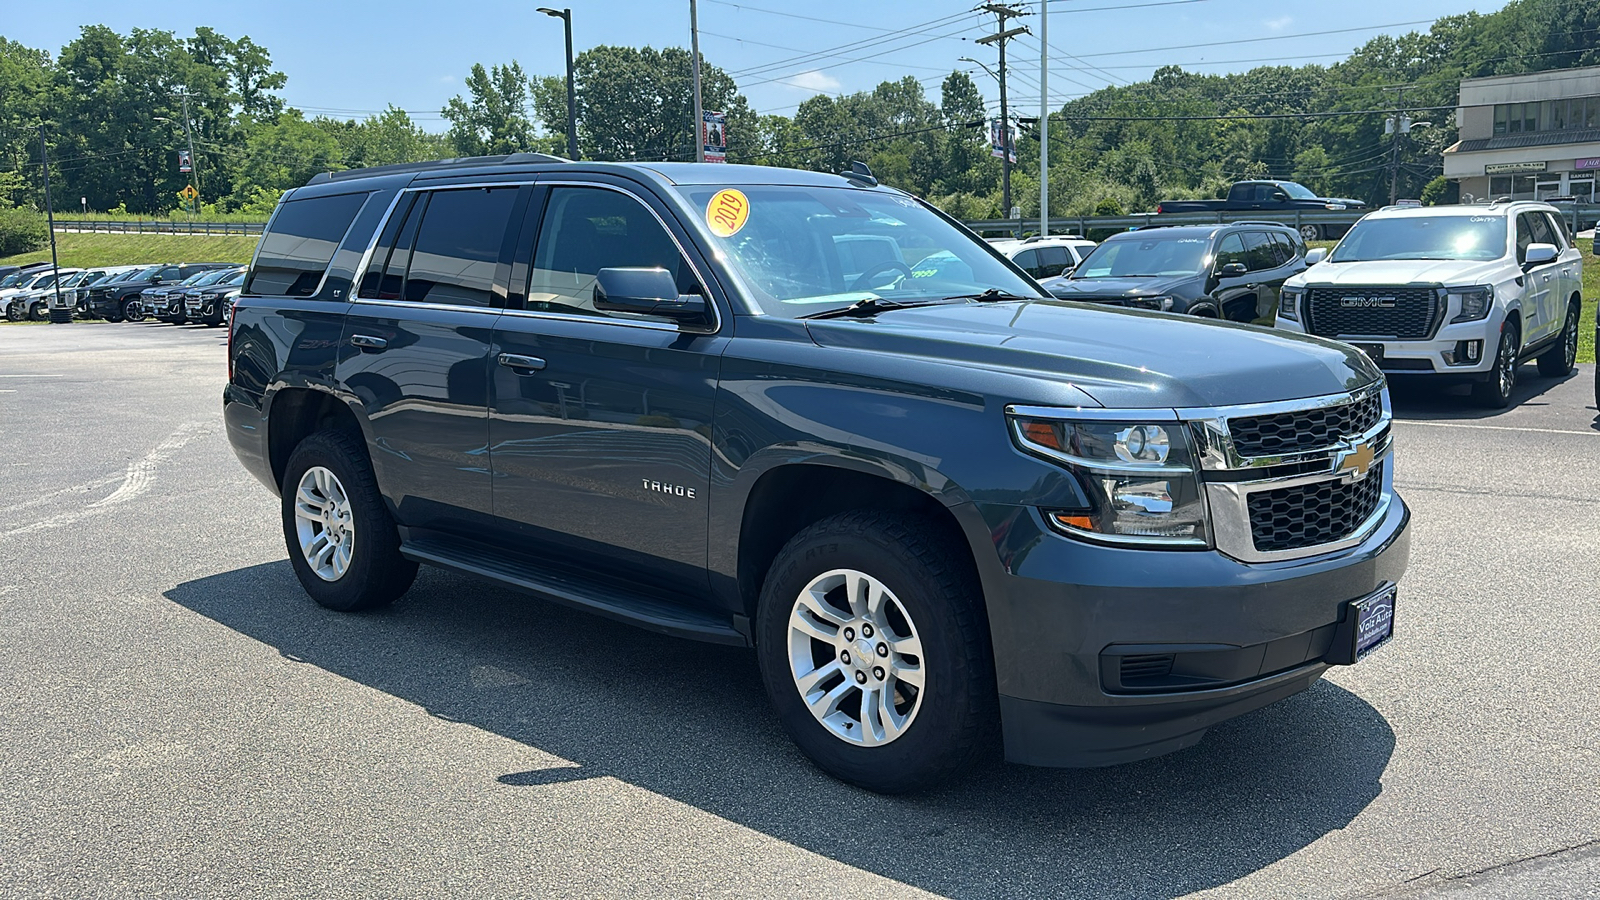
x,y
170,292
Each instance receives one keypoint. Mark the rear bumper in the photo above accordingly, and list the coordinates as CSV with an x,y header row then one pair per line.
x,y
246,424
1067,618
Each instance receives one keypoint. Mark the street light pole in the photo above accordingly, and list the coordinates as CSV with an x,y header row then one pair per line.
x,y
565,15
59,314
699,111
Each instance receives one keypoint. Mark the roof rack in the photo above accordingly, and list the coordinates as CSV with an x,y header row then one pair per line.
x,y
1032,238
508,159
1254,222
1499,200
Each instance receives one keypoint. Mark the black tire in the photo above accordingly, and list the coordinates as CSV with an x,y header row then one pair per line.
x,y
132,311
377,574
14,312
1497,387
1560,358
955,713
38,312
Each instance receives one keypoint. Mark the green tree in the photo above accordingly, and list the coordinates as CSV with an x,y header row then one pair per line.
x,y
493,118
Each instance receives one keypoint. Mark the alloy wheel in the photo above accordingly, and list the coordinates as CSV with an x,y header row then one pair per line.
x,y
1570,339
856,658
1507,364
324,523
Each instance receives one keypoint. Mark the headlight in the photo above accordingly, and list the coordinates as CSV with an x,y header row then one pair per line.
x,y
1140,478
1159,303
1289,303
1474,302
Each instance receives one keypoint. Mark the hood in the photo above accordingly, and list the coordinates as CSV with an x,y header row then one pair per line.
x,y
1396,272
1121,358
1345,200
1146,286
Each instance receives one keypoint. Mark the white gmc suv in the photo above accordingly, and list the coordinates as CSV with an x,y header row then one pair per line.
x,y
1463,293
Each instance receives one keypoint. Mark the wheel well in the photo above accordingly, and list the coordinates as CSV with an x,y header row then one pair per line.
x,y
786,500
296,414
1514,318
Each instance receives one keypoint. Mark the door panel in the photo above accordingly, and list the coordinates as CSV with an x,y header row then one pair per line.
x,y
600,424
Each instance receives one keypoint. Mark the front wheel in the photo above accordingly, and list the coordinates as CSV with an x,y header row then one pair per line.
x,y
874,649
1559,359
1494,392
38,312
14,312
132,311
341,539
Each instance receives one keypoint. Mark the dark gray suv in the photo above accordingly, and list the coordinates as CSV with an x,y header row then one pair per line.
x,y
815,416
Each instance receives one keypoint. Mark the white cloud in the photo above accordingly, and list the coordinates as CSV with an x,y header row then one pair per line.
x,y
814,80
1279,23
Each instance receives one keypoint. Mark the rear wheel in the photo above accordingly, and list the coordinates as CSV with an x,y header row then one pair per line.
x,y
1311,232
1494,392
1559,359
875,650
341,540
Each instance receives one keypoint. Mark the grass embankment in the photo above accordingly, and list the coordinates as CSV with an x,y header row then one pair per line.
x,y
79,250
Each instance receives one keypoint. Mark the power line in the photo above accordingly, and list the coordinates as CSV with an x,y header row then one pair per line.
x,y
1278,37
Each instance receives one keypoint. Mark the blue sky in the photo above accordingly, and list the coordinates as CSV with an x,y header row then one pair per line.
x,y
350,59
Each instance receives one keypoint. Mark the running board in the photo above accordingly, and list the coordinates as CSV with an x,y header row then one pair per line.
x,y
619,602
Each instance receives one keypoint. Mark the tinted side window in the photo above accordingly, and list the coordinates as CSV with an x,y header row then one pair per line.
x,y
304,235
588,229
1258,252
1028,261
1558,231
1524,237
1053,261
458,247
1230,250
1283,248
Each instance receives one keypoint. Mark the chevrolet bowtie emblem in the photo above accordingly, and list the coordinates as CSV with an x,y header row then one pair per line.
x,y
1355,461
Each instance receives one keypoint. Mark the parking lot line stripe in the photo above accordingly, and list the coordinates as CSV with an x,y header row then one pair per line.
x,y
1494,427
39,375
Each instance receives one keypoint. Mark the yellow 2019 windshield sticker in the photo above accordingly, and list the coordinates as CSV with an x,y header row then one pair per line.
x,y
727,212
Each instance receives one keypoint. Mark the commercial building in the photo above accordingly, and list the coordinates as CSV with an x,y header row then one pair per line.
x,y
1533,136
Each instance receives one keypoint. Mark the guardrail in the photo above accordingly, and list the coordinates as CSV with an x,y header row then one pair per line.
x,y
138,227
1578,214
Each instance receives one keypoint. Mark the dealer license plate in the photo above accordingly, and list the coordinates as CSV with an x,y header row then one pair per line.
x,y
1374,620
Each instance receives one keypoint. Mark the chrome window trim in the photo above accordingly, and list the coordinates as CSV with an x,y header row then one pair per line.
x,y
323,281
377,232
413,304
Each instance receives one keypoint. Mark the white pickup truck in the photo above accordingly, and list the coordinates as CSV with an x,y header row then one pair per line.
x,y
1457,293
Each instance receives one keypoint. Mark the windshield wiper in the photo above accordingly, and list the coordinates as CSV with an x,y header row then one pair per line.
x,y
866,306
992,295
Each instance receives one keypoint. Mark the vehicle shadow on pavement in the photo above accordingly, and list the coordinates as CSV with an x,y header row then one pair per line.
x,y
691,722
1421,398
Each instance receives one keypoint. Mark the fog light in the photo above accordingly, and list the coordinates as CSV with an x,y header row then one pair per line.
x,y
1473,350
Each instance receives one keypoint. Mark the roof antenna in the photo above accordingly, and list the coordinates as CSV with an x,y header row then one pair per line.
x,y
860,174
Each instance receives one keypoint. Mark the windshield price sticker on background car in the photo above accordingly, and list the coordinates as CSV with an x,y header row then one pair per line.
x,y
727,212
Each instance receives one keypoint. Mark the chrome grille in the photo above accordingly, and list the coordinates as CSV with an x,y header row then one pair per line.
x,y
1307,515
1412,317
1304,430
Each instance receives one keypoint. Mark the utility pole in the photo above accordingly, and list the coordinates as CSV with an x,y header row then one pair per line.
x,y
1044,118
699,111
194,164
565,15
59,314
1002,12
1393,125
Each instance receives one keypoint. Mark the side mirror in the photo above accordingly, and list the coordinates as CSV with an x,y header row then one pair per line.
x,y
1316,255
651,292
1539,254
1280,196
1233,270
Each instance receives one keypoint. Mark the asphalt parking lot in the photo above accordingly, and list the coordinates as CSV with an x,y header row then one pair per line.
x,y
178,719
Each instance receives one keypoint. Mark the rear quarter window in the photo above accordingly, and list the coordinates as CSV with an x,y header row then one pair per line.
x,y
303,237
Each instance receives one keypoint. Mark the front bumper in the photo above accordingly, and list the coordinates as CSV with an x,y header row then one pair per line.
x,y
1064,613
1444,354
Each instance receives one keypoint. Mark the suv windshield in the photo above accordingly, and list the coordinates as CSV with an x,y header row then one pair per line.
x,y
1156,254
1424,237
800,250
210,276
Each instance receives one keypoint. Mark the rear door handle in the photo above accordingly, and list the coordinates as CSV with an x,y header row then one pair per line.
x,y
368,342
516,361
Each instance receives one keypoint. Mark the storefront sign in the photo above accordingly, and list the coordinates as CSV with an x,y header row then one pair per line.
x,y
1508,168
1592,162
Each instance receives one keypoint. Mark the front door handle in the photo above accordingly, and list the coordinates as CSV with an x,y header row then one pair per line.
x,y
369,342
518,362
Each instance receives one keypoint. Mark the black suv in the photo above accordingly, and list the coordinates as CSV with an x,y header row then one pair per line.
x,y
812,415
1229,271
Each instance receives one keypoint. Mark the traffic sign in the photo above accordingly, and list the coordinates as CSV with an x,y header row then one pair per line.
x,y
189,193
